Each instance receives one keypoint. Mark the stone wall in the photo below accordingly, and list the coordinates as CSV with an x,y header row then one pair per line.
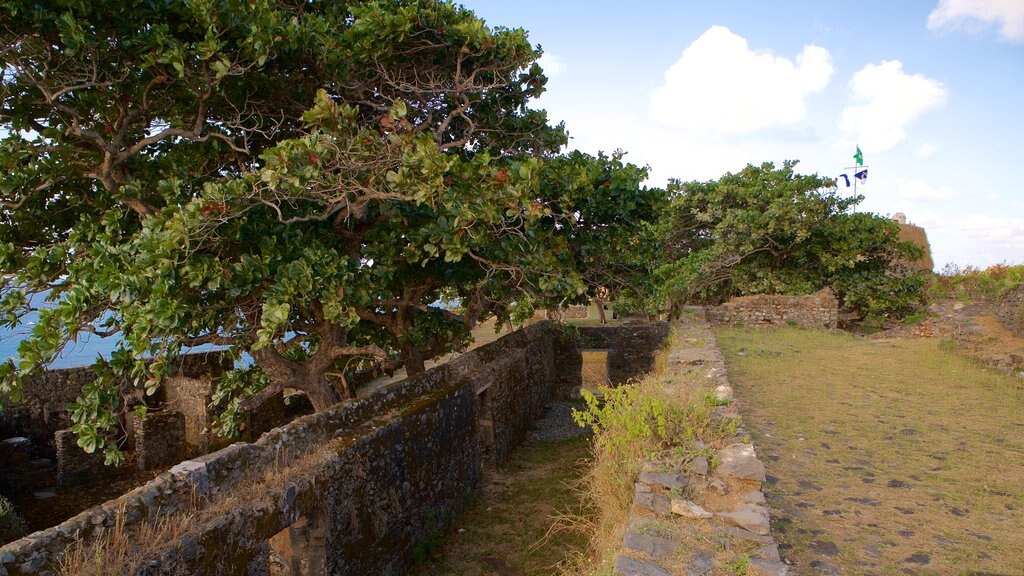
x,y
74,465
632,348
819,310
688,515
160,439
43,410
356,488
1010,311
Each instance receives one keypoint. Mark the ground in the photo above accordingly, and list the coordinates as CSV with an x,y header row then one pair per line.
x,y
887,456
506,532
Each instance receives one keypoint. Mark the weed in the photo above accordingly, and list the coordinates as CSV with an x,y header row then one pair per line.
x,y
740,565
12,525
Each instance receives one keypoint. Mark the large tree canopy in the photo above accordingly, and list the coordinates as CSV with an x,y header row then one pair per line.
x,y
299,180
768,230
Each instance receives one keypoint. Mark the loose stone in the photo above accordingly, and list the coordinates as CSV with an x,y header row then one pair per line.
x,y
688,509
653,545
740,461
749,517
629,567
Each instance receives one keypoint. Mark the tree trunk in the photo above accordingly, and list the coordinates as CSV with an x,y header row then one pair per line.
x,y
321,392
414,363
600,310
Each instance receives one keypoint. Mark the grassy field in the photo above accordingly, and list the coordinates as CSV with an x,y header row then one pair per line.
x,y
884,456
504,532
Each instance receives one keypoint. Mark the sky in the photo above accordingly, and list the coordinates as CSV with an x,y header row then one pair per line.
x,y
931,90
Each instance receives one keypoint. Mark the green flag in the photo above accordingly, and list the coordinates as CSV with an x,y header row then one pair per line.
x,y
859,157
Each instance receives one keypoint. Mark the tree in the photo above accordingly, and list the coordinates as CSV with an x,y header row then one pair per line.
x,y
768,230
608,219
295,180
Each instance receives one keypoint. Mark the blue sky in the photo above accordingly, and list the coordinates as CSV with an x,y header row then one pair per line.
x,y
931,90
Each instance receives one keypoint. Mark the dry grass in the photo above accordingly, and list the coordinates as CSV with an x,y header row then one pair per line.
x,y
507,529
676,415
123,549
885,456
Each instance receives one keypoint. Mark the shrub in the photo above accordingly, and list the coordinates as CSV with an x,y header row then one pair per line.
x,y
12,525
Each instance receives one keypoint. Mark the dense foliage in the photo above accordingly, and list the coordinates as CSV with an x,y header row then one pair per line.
x,y
304,182
768,230
609,221
299,181
970,283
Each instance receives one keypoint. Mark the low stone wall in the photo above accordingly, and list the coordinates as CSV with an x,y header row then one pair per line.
x,y
354,489
1010,311
632,348
715,502
818,310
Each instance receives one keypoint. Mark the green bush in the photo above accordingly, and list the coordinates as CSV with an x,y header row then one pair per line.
x,y
12,525
970,283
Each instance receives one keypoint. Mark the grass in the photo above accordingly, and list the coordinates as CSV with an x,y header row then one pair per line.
x,y
507,531
884,455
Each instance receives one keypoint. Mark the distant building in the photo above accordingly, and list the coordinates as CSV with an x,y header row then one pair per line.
x,y
917,235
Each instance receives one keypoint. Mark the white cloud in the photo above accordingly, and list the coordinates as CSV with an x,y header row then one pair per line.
x,y
886,100
926,151
975,239
973,14
553,65
920,190
720,85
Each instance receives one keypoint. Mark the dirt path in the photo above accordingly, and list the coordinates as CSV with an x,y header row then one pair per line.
x,y
884,457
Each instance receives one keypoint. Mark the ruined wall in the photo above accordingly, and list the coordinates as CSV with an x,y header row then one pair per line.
x,y
1010,311
43,411
356,488
819,310
160,439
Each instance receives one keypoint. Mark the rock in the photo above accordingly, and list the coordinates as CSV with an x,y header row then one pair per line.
x,y
688,509
744,534
7,558
762,567
641,488
652,545
668,480
718,487
629,567
34,564
749,517
921,559
825,548
754,497
826,568
769,552
740,461
16,443
702,563
651,502
698,465
873,552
